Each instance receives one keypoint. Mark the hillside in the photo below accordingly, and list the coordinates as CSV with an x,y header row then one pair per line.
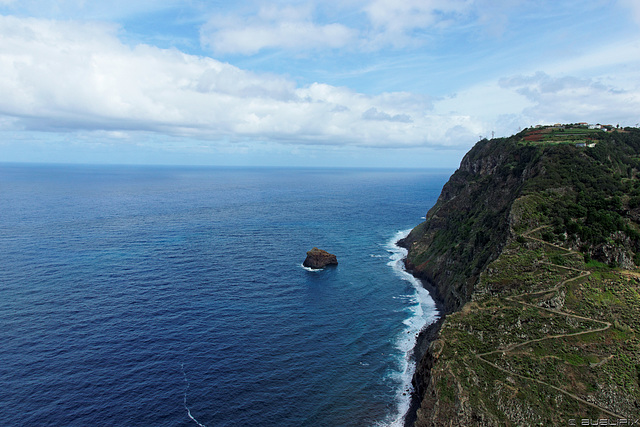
x,y
533,247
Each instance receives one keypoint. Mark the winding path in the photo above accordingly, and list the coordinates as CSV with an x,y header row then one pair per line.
x,y
606,325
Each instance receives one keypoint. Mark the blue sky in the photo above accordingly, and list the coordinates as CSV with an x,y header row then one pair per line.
x,y
305,83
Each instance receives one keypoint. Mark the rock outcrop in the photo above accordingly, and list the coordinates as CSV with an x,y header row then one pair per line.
x,y
504,190
468,226
318,258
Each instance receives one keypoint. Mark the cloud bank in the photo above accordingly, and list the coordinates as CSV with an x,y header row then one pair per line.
x,y
287,27
428,73
61,76
381,24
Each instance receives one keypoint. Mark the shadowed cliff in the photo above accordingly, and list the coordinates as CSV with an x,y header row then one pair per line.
x,y
469,224
525,239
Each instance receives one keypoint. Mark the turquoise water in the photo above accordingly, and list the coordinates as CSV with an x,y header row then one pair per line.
x,y
176,296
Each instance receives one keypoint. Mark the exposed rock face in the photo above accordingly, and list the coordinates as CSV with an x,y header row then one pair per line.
x,y
469,224
318,258
498,192
613,255
465,230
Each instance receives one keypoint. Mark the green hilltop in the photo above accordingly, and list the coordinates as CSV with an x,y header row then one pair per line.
x,y
533,248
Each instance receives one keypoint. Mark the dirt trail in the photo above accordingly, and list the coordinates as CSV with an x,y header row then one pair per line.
x,y
512,347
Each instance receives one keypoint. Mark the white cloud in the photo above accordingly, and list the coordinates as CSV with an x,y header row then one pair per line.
x,y
609,58
375,114
355,25
69,76
416,22
511,103
571,99
358,25
288,27
488,108
393,21
386,23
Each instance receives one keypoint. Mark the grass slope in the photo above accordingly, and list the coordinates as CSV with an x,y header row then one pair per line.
x,y
547,338
551,332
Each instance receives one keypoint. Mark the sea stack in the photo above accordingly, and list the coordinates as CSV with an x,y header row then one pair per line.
x,y
318,258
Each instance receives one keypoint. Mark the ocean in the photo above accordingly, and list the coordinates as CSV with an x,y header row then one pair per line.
x,y
176,296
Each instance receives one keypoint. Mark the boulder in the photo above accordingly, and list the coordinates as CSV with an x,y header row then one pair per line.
x,y
318,258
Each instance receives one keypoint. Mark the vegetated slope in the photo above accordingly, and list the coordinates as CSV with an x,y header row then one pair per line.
x,y
534,248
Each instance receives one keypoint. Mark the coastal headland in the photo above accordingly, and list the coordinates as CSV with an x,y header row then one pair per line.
x,y
533,250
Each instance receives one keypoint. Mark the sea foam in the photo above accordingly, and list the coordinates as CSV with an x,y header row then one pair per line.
x,y
313,270
162,266
422,312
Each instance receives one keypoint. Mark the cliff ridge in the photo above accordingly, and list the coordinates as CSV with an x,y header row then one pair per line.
x,y
533,247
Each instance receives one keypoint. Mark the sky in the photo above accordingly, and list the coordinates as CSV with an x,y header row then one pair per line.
x,y
348,83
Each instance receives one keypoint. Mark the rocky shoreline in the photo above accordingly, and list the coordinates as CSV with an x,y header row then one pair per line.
x,y
421,376
447,261
513,219
423,367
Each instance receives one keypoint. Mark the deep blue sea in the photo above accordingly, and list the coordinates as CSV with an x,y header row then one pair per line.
x,y
174,296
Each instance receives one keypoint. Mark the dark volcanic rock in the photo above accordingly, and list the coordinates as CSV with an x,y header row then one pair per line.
x,y
469,224
503,189
317,258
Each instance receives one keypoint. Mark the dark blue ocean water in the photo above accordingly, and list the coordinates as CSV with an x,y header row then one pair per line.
x,y
164,296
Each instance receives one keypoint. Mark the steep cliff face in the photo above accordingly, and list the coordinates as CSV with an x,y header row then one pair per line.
x,y
469,224
521,245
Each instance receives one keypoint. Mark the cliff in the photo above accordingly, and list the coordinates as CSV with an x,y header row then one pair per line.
x,y
468,225
532,247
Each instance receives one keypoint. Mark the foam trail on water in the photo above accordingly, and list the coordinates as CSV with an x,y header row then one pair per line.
x,y
423,312
185,398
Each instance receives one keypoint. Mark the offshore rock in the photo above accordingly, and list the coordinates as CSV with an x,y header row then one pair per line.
x,y
318,258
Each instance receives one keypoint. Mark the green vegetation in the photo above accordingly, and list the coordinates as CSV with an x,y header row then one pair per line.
x,y
547,235
563,134
566,333
589,195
